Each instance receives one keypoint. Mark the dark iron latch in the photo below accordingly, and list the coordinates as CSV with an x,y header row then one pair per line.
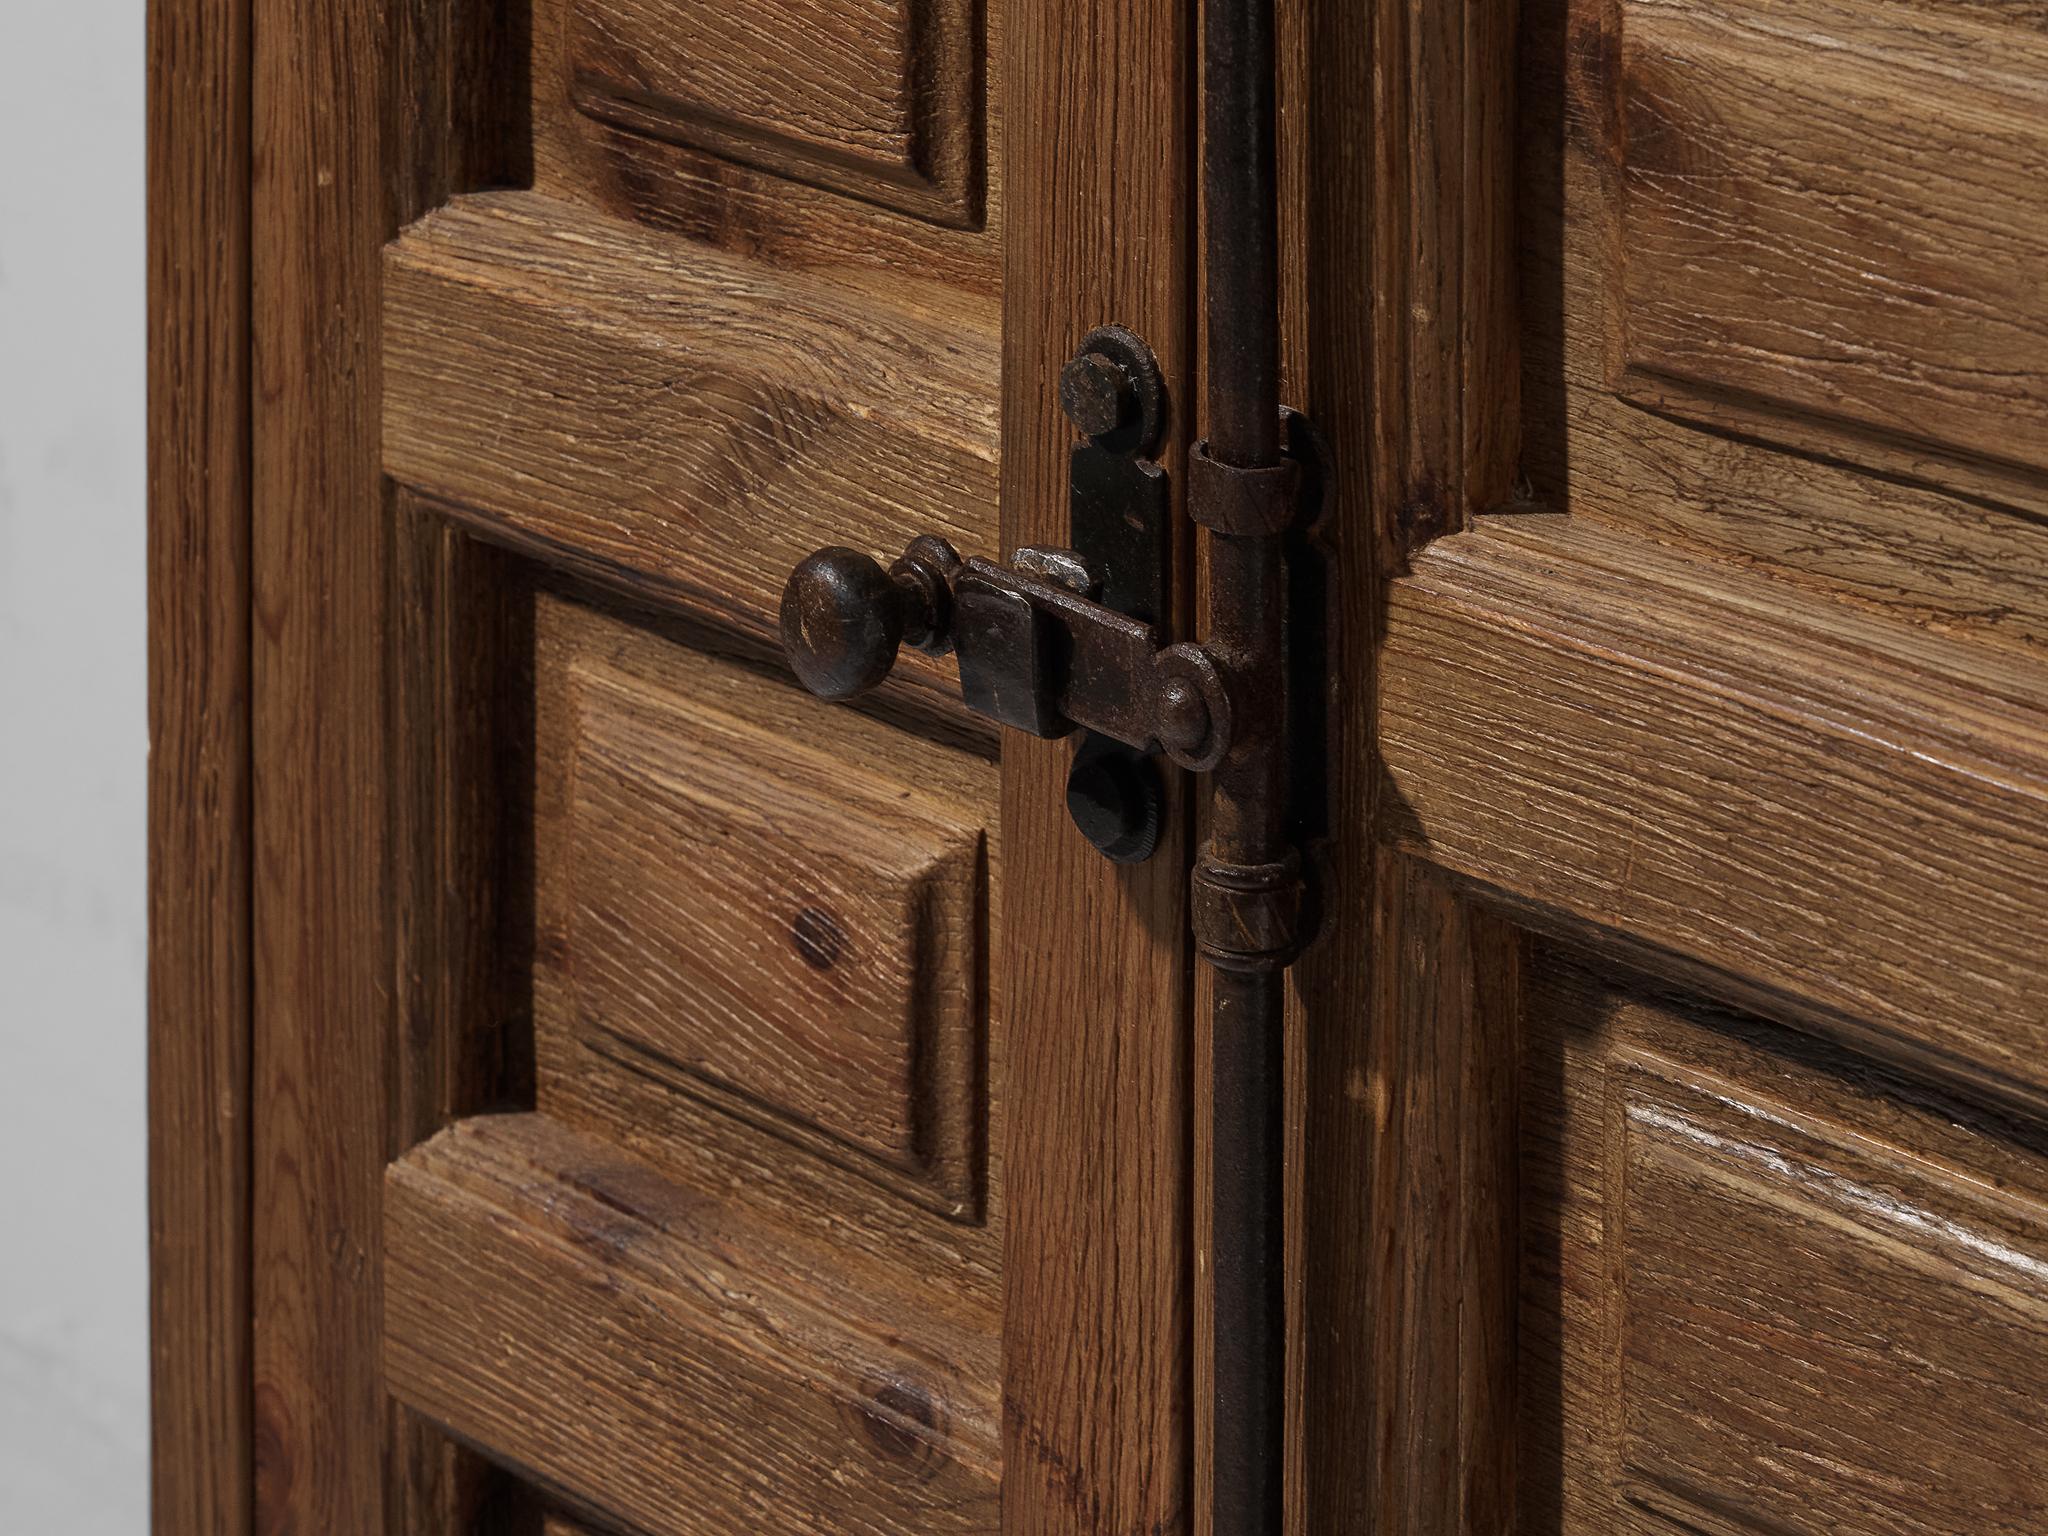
x,y
1059,640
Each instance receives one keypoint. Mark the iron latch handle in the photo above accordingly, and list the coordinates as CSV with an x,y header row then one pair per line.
x,y
1036,650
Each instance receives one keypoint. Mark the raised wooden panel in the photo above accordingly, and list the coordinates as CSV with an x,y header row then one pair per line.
x,y
671,1355
1857,1346
1838,207
1769,1286
780,931
1784,489
671,419
877,98
1843,815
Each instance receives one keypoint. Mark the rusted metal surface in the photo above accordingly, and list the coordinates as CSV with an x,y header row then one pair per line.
x,y
1120,521
1247,888
844,618
1035,652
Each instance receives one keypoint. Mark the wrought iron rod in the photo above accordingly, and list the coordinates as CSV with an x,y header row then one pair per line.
x,y
1248,810
1241,201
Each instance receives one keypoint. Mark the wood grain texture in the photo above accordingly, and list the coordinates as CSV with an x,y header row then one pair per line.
x,y
1097,1430
880,99
847,1218
1411,378
461,728
1769,1259
323,936
1931,540
1440,1243
1768,1286
747,209
1836,208
199,768
667,1356
367,114
1844,814
680,423
1443,330
790,934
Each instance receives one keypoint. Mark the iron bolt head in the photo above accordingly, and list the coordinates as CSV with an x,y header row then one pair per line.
x,y
1183,717
1097,394
1115,800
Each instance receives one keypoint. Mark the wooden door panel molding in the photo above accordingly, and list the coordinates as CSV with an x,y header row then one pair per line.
x,y
881,99
1849,817
724,417
367,115
1811,216
1766,1260
670,1357
1855,357
791,200
788,936
1771,1285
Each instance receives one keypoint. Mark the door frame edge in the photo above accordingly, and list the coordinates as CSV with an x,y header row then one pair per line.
x,y
200,767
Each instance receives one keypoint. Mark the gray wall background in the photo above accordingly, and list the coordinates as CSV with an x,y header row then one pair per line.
x,y
74,1376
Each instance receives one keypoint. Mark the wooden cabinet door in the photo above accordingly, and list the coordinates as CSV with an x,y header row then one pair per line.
x,y
673,1104
1681,1166
599,1088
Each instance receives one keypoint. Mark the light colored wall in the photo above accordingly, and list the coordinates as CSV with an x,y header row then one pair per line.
x,y
74,1394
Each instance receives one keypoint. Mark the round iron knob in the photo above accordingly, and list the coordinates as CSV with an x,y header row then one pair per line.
x,y
842,621
844,617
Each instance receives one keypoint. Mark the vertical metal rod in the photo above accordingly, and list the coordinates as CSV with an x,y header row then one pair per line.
x,y
1247,842
1242,208
1248,1317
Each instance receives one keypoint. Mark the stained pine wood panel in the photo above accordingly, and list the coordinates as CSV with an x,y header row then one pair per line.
x,y
199,768
680,422
1572,718
880,99
794,935
1097,1431
1887,265
667,1355
1769,1259
1768,1285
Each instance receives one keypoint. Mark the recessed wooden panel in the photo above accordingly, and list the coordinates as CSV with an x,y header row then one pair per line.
x,y
785,933
1838,207
1768,1285
673,1356
877,98
1819,1335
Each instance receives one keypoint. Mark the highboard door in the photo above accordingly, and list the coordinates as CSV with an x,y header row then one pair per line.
x,y
680,1106
1696,1157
